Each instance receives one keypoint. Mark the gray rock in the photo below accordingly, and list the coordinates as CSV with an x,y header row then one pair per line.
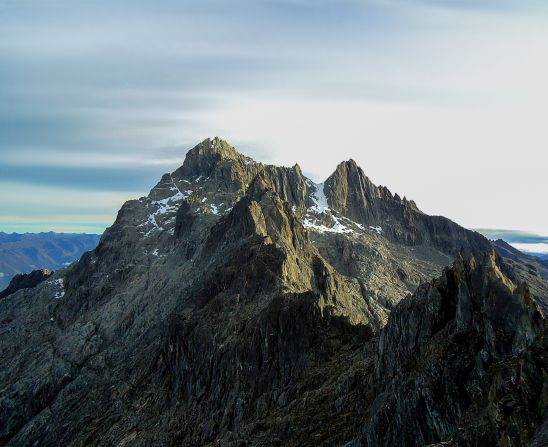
x,y
25,281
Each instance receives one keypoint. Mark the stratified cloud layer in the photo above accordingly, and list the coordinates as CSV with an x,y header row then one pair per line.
x,y
442,100
525,242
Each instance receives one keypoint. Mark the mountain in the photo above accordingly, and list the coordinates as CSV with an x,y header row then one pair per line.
x,y
22,253
242,304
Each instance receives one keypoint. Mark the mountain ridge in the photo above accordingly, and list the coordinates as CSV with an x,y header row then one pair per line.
x,y
235,304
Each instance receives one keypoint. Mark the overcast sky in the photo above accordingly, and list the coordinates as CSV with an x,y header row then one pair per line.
x,y
443,101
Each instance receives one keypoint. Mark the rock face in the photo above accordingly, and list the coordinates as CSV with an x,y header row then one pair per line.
x,y
463,362
527,268
242,304
26,281
352,194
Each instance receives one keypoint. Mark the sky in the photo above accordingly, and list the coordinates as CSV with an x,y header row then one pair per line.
x,y
443,101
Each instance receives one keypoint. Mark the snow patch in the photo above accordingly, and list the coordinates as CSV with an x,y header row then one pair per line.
x,y
342,224
360,226
377,229
165,206
319,199
338,227
59,287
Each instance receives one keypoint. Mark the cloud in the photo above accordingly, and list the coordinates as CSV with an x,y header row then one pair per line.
x,y
58,209
444,101
531,248
513,237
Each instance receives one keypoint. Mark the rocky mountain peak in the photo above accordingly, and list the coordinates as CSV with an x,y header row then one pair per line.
x,y
350,192
258,186
262,213
204,157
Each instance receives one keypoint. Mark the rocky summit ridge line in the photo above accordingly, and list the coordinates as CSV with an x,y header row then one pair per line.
x,y
242,304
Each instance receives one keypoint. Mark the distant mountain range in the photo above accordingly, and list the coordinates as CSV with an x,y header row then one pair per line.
x,y
528,243
22,253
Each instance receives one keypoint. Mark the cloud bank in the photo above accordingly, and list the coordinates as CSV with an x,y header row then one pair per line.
x,y
443,101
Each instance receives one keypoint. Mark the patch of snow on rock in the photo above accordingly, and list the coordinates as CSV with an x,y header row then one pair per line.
x,y
164,206
337,228
377,229
59,286
319,199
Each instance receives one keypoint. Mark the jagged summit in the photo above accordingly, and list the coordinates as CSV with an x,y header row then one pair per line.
x,y
214,176
351,200
348,190
204,157
347,206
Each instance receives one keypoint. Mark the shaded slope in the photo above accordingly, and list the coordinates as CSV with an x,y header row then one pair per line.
x,y
463,361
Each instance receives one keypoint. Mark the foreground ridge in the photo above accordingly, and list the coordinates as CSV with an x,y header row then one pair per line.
x,y
462,361
242,304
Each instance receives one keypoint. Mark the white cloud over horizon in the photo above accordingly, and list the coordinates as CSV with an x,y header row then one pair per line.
x,y
531,248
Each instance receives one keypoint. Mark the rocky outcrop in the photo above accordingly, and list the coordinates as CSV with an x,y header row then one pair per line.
x,y
25,281
462,362
350,192
527,268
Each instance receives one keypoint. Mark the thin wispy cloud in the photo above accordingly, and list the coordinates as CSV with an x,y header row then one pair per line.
x,y
437,99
